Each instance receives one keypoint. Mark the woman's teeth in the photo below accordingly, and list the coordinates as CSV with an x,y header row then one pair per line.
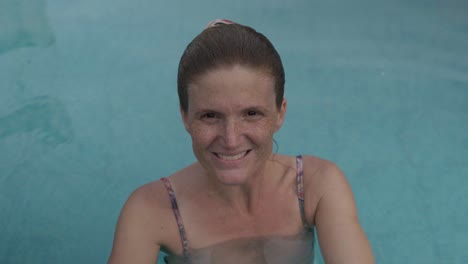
x,y
235,157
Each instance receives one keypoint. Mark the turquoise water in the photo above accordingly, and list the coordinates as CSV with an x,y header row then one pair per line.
x,y
88,112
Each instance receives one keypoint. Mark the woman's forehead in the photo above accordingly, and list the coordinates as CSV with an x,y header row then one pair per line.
x,y
235,86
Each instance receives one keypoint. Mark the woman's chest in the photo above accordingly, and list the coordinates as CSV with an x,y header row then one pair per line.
x,y
267,250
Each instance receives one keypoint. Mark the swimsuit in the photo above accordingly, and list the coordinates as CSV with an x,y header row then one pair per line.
x,y
297,248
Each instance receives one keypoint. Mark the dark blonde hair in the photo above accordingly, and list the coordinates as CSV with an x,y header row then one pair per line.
x,y
228,45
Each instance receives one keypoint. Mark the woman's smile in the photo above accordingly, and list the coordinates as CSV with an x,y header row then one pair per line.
x,y
231,157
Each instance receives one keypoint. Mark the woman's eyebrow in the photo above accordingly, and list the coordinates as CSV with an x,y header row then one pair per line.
x,y
257,107
245,108
205,110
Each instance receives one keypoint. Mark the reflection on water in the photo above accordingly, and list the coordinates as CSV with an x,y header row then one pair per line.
x,y
43,116
23,23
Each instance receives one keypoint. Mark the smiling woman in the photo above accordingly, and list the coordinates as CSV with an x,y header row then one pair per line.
x,y
232,117
239,202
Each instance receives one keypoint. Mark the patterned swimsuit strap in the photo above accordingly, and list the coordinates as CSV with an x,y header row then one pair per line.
x,y
180,224
300,190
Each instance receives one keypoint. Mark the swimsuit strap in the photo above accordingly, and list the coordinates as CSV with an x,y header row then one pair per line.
x,y
300,190
180,224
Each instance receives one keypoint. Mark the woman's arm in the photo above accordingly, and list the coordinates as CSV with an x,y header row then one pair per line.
x,y
341,237
134,238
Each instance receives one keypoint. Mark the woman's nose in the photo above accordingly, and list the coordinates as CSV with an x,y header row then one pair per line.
x,y
231,133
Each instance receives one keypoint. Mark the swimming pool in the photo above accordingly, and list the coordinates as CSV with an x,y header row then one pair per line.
x,y
88,102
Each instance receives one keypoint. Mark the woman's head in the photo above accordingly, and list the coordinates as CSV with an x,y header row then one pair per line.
x,y
226,45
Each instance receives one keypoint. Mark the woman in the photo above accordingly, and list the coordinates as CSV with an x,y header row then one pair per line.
x,y
240,202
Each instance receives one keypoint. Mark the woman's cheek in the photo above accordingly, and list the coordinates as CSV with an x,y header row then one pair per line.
x,y
202,132
264,128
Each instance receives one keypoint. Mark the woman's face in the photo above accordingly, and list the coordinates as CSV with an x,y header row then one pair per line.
x,y
231,117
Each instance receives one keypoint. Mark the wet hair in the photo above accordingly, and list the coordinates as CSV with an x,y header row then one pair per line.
x,y
224,45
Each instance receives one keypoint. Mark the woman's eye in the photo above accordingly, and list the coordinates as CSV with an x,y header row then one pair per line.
x,y
209,115
253,115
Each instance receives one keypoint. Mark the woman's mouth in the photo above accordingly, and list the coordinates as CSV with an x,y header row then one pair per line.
x,y
232,157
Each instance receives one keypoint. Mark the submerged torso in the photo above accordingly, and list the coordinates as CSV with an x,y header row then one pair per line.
x,y
297,249
280,247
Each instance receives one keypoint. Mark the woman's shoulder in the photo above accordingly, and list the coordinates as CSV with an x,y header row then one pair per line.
x,y
155,195
310,161
317,172
151,195
320,169
149,207
148,204
314,167
321,176
317,163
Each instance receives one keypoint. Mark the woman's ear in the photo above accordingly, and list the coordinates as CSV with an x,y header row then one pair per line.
x,y
281,114
184,117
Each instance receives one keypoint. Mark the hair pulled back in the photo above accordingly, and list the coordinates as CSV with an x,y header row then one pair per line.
x,y
224,45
